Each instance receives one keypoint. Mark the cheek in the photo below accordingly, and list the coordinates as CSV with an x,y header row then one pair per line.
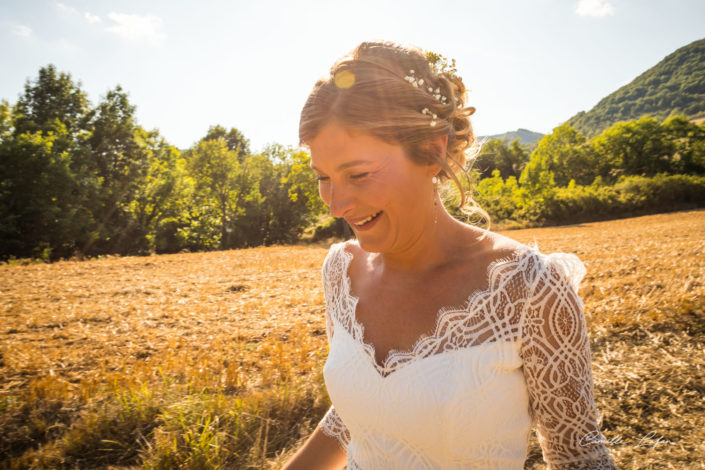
x,y
378,190
400,190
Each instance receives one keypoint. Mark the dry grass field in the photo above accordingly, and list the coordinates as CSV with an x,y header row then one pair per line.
x,y
213,360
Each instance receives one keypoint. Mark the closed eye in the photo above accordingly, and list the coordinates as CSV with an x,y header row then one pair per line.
x,y
358,176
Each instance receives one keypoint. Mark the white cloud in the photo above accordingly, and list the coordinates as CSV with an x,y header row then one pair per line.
x,y
595,8
137,27
22,30
66,8
91,18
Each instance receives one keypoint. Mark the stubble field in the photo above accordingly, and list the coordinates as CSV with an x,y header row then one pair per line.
x,y
213,360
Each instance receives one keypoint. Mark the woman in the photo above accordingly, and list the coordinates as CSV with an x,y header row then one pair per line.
x,y
447,341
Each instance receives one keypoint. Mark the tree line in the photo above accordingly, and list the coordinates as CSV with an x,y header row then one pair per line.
x,y
84,180
632,167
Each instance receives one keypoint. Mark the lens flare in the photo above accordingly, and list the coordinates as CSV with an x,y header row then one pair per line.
x,y
344,79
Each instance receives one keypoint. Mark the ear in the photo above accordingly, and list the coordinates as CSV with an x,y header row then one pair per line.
x,y
439,146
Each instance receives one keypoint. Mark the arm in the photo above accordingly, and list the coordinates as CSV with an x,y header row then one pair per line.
x,y
557,368
321,451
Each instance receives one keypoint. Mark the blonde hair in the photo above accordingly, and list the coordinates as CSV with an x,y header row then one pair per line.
x,y
366,91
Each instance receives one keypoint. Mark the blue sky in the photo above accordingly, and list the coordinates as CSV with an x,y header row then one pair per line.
x,y
251,64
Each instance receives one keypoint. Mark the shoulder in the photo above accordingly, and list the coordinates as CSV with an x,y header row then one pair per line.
x,y
336,259
503,247
335,251
494,250
555,268
344,252
533,265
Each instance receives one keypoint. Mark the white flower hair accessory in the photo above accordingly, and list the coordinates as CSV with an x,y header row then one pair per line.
x,y
432,115
419,83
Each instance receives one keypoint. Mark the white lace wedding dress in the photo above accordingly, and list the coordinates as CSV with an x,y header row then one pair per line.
x,y
466,397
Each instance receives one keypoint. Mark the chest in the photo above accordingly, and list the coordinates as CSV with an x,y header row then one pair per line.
x,y
395,315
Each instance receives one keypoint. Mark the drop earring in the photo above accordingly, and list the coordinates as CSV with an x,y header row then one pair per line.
x,y
434,180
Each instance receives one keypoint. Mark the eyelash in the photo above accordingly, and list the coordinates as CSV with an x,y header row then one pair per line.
x,y
354,177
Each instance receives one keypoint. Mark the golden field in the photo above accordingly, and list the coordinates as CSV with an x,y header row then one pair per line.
x,y
213,360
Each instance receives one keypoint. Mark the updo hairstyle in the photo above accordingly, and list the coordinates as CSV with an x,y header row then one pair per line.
x,y
368,91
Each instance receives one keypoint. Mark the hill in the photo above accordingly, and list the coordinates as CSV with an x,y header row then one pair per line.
x,y
676,85
525,136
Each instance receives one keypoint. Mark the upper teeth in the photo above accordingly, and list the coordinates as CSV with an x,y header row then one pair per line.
x,y
362,222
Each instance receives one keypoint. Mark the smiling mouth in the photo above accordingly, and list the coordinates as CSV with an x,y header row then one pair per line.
x,y
367,220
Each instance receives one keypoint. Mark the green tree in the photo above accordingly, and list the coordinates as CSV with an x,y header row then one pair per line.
x,y
519,157
497,155
565,155
233,138
688,143
222,180
120,160
501,199
6,124
636,147
288,198
42,175
298,201
159,196
51,99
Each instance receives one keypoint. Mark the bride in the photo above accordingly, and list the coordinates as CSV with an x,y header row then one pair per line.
x,y
448,342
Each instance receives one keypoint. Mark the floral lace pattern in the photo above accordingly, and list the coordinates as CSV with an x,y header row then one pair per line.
x,y
334,426
531,300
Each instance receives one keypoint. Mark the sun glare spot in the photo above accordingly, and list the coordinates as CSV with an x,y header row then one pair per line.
x,y
344,79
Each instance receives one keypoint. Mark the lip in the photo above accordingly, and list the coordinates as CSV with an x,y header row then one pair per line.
x,y
367,226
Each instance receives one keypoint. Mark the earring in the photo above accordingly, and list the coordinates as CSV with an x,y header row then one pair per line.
x,y
434,180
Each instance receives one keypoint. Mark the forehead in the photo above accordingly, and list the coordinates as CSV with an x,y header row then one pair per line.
x,y
335,145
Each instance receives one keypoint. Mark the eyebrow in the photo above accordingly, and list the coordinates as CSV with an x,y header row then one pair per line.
x,y
345,165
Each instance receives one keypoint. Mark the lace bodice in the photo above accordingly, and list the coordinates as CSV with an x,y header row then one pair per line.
x,y
516,355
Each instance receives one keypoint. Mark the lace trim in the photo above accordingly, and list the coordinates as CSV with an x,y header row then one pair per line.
x,y
333,426
447,318
602,462
533,298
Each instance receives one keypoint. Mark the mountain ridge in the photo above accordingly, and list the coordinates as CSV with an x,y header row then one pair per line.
x,y
675,85
525,136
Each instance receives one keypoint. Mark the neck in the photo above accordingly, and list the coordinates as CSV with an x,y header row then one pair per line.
x,y
432,247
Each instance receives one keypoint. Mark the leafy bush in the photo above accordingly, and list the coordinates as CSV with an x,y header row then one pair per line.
x,y
631,195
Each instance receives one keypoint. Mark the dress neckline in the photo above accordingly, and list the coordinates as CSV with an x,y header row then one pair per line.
x,y
396,359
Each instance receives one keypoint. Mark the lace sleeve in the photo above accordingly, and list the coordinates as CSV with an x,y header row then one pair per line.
x,y
332,277
557,368
331,424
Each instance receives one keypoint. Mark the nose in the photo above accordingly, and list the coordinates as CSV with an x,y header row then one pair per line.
x,y
339,200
